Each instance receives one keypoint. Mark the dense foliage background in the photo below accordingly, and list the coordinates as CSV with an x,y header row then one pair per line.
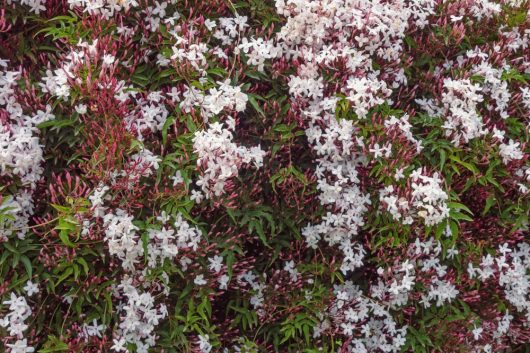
x,y
264,176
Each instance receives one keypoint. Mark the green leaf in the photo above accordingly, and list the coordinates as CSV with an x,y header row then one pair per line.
x,y
459,206
460,216
490,201
468,166
11,248
443,157
255,105
56,123
169,121
67,273
54,344
261,234
64,236
83,263
60,208
230,259
27,264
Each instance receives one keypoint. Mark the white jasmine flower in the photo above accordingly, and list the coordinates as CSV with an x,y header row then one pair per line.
x,y
477,333
20,346
223,282
209,24
31,288
204,344
199,280
108,59
177,178
510,151
81,109
216,263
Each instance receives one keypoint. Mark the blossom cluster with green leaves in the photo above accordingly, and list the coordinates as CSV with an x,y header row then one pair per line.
x,y
264,176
